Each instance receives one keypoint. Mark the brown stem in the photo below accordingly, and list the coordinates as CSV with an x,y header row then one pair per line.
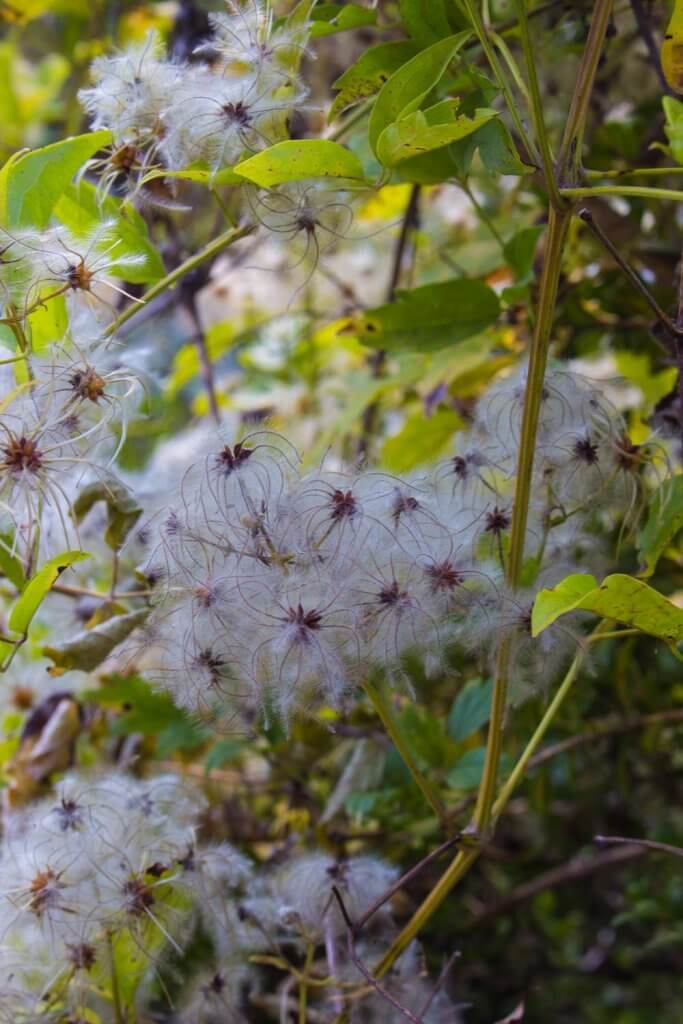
x,y
360,966
645,30
404,879
208,376
378,359
632,275
572,871
601,730
569,160
644,844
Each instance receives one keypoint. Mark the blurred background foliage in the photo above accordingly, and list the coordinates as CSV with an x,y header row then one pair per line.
x,y
546,918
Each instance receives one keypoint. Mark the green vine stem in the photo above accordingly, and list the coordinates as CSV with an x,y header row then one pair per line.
x,y
642,191
464,859
208,252
558,223
384,713
572,140
470,9
631,172
537,106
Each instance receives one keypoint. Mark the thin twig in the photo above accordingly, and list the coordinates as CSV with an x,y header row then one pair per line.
x,y
648,844
572,871
190,287
405,879
208,252
635,279
602,730
360,966
645,30
410,221
440,982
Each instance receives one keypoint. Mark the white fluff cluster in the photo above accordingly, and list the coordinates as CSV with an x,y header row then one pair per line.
x,y
166,115
105,879
38,266
280,589
90,870
64,426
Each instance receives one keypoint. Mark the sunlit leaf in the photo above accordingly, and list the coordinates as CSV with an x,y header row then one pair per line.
x,y
426,130
410,85
372,69
664,521
624,598
429,318
673,112
295,160
37,588
79,210
420,440
331,18
10,564
31,183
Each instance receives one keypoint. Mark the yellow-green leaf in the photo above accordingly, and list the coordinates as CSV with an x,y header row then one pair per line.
x,y
31,183
421,439
665,519
372,69
411,84
37,587
429,318
624,598
296,159
424,131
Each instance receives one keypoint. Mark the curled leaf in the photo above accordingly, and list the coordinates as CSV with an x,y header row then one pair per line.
x,y
88,649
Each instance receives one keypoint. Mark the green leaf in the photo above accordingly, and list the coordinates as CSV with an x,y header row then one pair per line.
x,y
10,564
665,519
424,131
88,649
327,19
425,20
200,173
429,318
38,587
31,183
78,210
497,150
673,111
420,440
519,251
372,69
426,737
48,323
467,772
123,511
296,159
471,709
431,168
223,752
148,711
411,84
624,598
